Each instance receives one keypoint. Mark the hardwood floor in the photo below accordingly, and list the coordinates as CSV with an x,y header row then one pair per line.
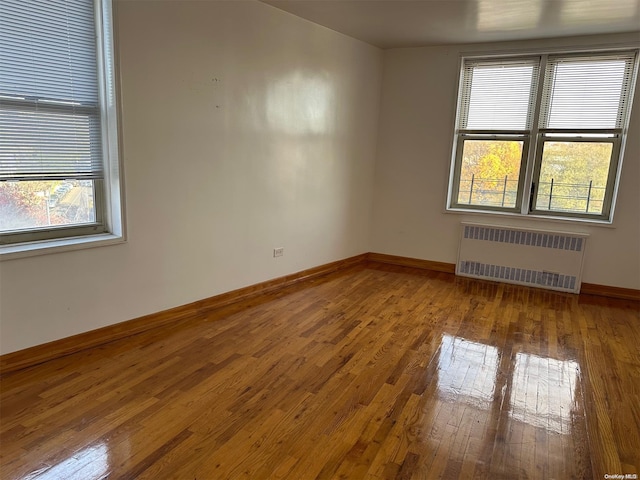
x,y
374,372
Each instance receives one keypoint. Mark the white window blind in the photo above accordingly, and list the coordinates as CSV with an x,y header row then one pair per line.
x,y
587,92
49,95
497,95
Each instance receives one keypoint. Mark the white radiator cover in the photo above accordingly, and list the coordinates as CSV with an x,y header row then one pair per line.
x,y
522,256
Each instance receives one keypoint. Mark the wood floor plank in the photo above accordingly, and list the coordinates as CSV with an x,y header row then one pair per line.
x,y
375,372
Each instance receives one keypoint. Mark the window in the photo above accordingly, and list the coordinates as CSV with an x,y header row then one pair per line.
x,y
58,130
542,135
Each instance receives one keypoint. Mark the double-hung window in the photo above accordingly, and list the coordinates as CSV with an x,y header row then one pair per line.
x,y
543,134
59,172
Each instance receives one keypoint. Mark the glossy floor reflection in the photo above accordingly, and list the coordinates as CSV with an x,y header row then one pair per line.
x,y
467,371
373,373
526,401
91,463
543,392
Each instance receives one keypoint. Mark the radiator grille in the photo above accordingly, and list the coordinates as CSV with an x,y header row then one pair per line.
x,y
544,259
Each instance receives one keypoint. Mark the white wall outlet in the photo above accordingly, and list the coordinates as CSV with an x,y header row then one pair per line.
x,y
278,252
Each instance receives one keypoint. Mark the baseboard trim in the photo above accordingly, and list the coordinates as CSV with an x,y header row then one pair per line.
x,y
12,362
611,292
411,262
21,359
586,288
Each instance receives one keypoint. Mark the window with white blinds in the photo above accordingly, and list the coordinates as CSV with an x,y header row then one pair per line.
x,y
57,114
542,134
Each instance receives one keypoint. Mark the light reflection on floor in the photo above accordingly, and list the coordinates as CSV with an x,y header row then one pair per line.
x,y
467,371
91,463
505,404
542,392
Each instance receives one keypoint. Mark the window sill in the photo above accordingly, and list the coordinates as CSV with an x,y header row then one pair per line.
x,y
537,218
32,249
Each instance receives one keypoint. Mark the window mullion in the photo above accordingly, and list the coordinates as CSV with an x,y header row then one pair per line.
x,y
531,164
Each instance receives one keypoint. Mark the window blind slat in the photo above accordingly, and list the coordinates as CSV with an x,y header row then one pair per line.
x,y
39,144
49,94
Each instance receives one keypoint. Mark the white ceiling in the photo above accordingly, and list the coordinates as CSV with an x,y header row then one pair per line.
x,y
408,23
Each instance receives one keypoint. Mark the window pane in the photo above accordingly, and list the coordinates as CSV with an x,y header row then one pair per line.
x,y
26,205
489,172
573,176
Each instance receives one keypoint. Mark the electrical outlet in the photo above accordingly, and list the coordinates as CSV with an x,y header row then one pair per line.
x,y
278,252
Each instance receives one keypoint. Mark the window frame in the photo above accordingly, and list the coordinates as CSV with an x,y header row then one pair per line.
x,y
536,137
108,227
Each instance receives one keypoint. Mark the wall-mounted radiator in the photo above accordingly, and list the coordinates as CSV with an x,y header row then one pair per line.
x,y
522,256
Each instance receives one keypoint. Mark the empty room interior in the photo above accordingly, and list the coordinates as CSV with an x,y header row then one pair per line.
x,y
323,239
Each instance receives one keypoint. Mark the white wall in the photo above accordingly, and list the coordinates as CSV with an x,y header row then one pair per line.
x,y
244,128
414,152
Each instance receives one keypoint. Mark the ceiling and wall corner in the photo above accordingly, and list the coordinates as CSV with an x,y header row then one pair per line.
x,y
419,23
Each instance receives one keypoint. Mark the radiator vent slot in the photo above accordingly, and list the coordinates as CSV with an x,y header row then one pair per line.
x,y
544,259
519,275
